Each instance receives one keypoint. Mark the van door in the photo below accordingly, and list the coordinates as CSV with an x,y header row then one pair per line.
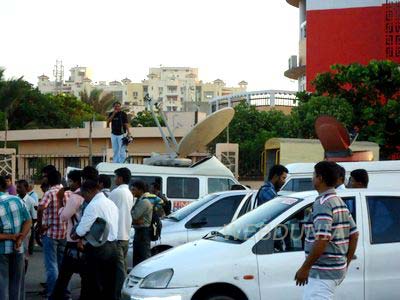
x,y
382,246
278,266
213,217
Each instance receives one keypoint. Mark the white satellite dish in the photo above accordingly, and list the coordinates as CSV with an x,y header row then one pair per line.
x,y
199,137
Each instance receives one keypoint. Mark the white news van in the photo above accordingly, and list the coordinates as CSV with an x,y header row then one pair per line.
x,y
382,174
181,185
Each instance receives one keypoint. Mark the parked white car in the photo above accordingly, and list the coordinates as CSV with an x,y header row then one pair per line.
x,y
243,262
210,213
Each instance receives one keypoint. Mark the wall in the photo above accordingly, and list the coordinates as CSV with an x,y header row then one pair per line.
x,y
341,32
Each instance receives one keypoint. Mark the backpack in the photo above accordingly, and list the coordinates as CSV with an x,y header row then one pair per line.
x,y
155,226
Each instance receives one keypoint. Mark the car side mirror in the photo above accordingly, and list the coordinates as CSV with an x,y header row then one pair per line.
x,y
199,223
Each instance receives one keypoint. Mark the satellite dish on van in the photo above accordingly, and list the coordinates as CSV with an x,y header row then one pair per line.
x,y
205,131
335,140
201,134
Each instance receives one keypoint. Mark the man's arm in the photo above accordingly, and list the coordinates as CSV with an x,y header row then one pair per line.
x,y
317,250
70,208
126,123
353,239
26,228
86,222
111,117
6,236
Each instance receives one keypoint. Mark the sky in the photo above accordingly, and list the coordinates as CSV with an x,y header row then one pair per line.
x,y
228,39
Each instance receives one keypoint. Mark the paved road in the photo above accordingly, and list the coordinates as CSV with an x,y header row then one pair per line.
x,y
36,274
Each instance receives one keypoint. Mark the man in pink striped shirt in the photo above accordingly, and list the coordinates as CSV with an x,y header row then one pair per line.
x,y
70,213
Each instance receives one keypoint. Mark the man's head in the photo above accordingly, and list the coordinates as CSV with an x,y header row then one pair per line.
x,y
8,179
31,185
46,170
277,176
138,188
54,178
325,175
122,176
3,184
341,175
89,189
74,179
22,188
104,181
90,173
155,188
359,179
117,106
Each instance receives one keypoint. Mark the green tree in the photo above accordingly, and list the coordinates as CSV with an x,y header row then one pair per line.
x,y
304,116
99,100
373,91
145,119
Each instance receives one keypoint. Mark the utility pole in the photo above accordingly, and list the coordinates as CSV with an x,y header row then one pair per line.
x,y
91,141
6,130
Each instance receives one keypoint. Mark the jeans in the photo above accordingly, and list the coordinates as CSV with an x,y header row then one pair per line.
x,y
53,251
105,271
141,245
118,148
320,289
12,282
68,267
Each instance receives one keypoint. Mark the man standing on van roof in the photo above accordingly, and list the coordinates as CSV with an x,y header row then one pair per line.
x,y
331,238
276,179
119,126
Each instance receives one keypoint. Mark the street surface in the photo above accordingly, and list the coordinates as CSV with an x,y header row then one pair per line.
x,y
37,274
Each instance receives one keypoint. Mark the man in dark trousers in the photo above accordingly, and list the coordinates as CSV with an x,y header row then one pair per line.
x,y
142,213
119,127
276,179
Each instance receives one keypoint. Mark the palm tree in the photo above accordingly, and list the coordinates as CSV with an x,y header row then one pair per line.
x,y
99,100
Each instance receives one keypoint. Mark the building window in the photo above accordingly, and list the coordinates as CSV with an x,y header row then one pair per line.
x,y
172,89
135,94
74,162
208,95
145,89
118,95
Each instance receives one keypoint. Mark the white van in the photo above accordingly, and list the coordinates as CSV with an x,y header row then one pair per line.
x,y
253,258
181,185
382,174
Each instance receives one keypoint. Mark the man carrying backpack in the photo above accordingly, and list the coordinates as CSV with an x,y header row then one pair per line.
x,y
142,214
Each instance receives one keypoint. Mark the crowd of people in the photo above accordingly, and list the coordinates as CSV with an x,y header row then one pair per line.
x,y
84,229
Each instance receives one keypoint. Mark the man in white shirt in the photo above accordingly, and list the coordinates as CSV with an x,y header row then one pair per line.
x,y
105,271
123,199
22,191
340,185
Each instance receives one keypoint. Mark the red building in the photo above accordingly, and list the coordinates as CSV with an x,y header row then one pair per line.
x,y
344,32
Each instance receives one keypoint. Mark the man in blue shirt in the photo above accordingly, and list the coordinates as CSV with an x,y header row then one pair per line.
x,y
276,179
15,224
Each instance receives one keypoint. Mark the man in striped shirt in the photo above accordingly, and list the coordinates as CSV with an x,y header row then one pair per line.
x,y
331,238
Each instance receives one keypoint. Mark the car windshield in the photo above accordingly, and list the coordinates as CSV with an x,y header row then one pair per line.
x,y
248,225
187,210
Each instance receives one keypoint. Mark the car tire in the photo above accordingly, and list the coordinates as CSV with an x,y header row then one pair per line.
x,y
220,296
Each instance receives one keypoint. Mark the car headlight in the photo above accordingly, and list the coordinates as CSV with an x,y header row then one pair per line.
x,y
157,280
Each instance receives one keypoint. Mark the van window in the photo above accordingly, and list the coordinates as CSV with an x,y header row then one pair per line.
x,y
351,205
298,185
219,184
183,187
219,213
149,180
384,219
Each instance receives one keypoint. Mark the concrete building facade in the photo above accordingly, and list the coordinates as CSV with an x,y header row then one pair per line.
x,y
177,88
343,32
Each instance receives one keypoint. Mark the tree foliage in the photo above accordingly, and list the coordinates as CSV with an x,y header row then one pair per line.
x,y
145,119
373,91
99,100
27,108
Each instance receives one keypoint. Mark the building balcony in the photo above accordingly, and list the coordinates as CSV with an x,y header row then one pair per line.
x,y
294,3
295,72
